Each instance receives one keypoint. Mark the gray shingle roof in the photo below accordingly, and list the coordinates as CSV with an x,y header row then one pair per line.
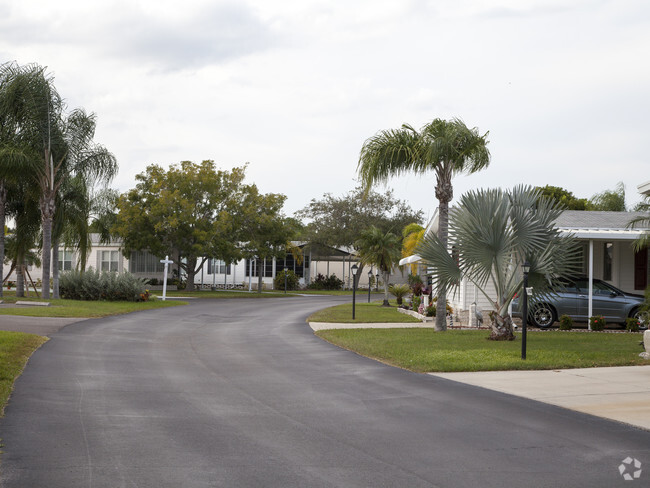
x,y
580,219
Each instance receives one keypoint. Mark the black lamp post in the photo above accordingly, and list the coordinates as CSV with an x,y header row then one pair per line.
x,y
355,268
524,312
369,287
285,281
377,280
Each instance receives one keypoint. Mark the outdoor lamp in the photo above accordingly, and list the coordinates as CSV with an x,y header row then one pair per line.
x,y
355,268
524,309
369,287
377,280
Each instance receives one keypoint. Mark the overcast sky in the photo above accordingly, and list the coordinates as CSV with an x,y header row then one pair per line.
x,y
294,87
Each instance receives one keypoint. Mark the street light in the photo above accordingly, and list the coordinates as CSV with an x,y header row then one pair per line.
x,y
369,287
377,280
524,312
355,268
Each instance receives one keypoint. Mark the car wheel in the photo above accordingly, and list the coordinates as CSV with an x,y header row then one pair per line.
x,y
643,317
543,316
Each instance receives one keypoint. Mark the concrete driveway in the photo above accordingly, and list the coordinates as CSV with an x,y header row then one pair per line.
x,y
241,393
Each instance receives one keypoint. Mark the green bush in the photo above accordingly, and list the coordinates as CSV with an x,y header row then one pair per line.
x,y
597,322
632,324
95,285
326,283
566,322
292,280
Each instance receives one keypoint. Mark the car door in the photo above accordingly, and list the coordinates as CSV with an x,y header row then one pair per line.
x,y
606,302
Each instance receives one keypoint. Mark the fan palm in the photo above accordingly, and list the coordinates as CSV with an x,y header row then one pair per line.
x,y
491,234
380,249
443,147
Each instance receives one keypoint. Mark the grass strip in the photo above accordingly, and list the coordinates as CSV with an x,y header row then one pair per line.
x,y
424,350
15,350
371,312
83,308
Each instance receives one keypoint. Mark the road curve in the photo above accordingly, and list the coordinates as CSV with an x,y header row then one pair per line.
x,y
238,393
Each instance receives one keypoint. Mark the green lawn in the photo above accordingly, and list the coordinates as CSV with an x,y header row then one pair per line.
x,y
15,350
82,308
424,350
365,312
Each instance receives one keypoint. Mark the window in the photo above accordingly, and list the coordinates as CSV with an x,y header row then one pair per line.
x,y
219,267
65,260
608,257
266,265
290,263
145,262
110,260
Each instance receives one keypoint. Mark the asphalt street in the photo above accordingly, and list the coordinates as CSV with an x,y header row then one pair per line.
x,y
239,393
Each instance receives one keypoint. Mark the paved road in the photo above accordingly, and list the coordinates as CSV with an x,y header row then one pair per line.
x,y
241,393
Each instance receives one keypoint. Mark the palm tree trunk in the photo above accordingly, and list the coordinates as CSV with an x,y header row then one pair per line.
x,y
3,203
443,232
55,269
386,276
47,214
20,279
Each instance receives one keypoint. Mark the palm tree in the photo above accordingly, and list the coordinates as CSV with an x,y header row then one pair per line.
x,y
413,235
57,145
444,147
380,249
491,234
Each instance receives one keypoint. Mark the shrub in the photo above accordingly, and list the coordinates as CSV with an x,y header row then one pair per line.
x,y
597,322
325,283
93,285
416,302
566,322
632,324
292,280
153,281
430,311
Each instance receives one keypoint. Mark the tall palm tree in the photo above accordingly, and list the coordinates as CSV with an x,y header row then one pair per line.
x,y
492,233
380,249
442,147
57,144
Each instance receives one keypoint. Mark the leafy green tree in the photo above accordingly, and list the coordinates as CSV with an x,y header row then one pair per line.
x,y
491,234
609,200
54,144
443,147
642,222
380,249
266,232
338,221
191,212
563,197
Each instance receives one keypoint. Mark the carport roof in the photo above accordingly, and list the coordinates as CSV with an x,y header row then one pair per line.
x,y
599,225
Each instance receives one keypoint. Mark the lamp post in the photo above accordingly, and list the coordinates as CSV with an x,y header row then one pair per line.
x,y
524,312
369,286
285,281
377,280
355,268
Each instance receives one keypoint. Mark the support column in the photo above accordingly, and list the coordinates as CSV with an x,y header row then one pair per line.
x,y
591,282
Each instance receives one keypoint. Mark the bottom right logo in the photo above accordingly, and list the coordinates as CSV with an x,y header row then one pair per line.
x,y
630,469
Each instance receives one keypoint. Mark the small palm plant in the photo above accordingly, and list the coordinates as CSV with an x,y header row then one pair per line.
x,y
399,292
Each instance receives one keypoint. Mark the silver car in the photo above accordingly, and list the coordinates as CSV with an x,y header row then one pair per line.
x,y
573,300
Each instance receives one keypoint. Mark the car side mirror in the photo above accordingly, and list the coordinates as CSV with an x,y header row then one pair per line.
x,y
613,294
